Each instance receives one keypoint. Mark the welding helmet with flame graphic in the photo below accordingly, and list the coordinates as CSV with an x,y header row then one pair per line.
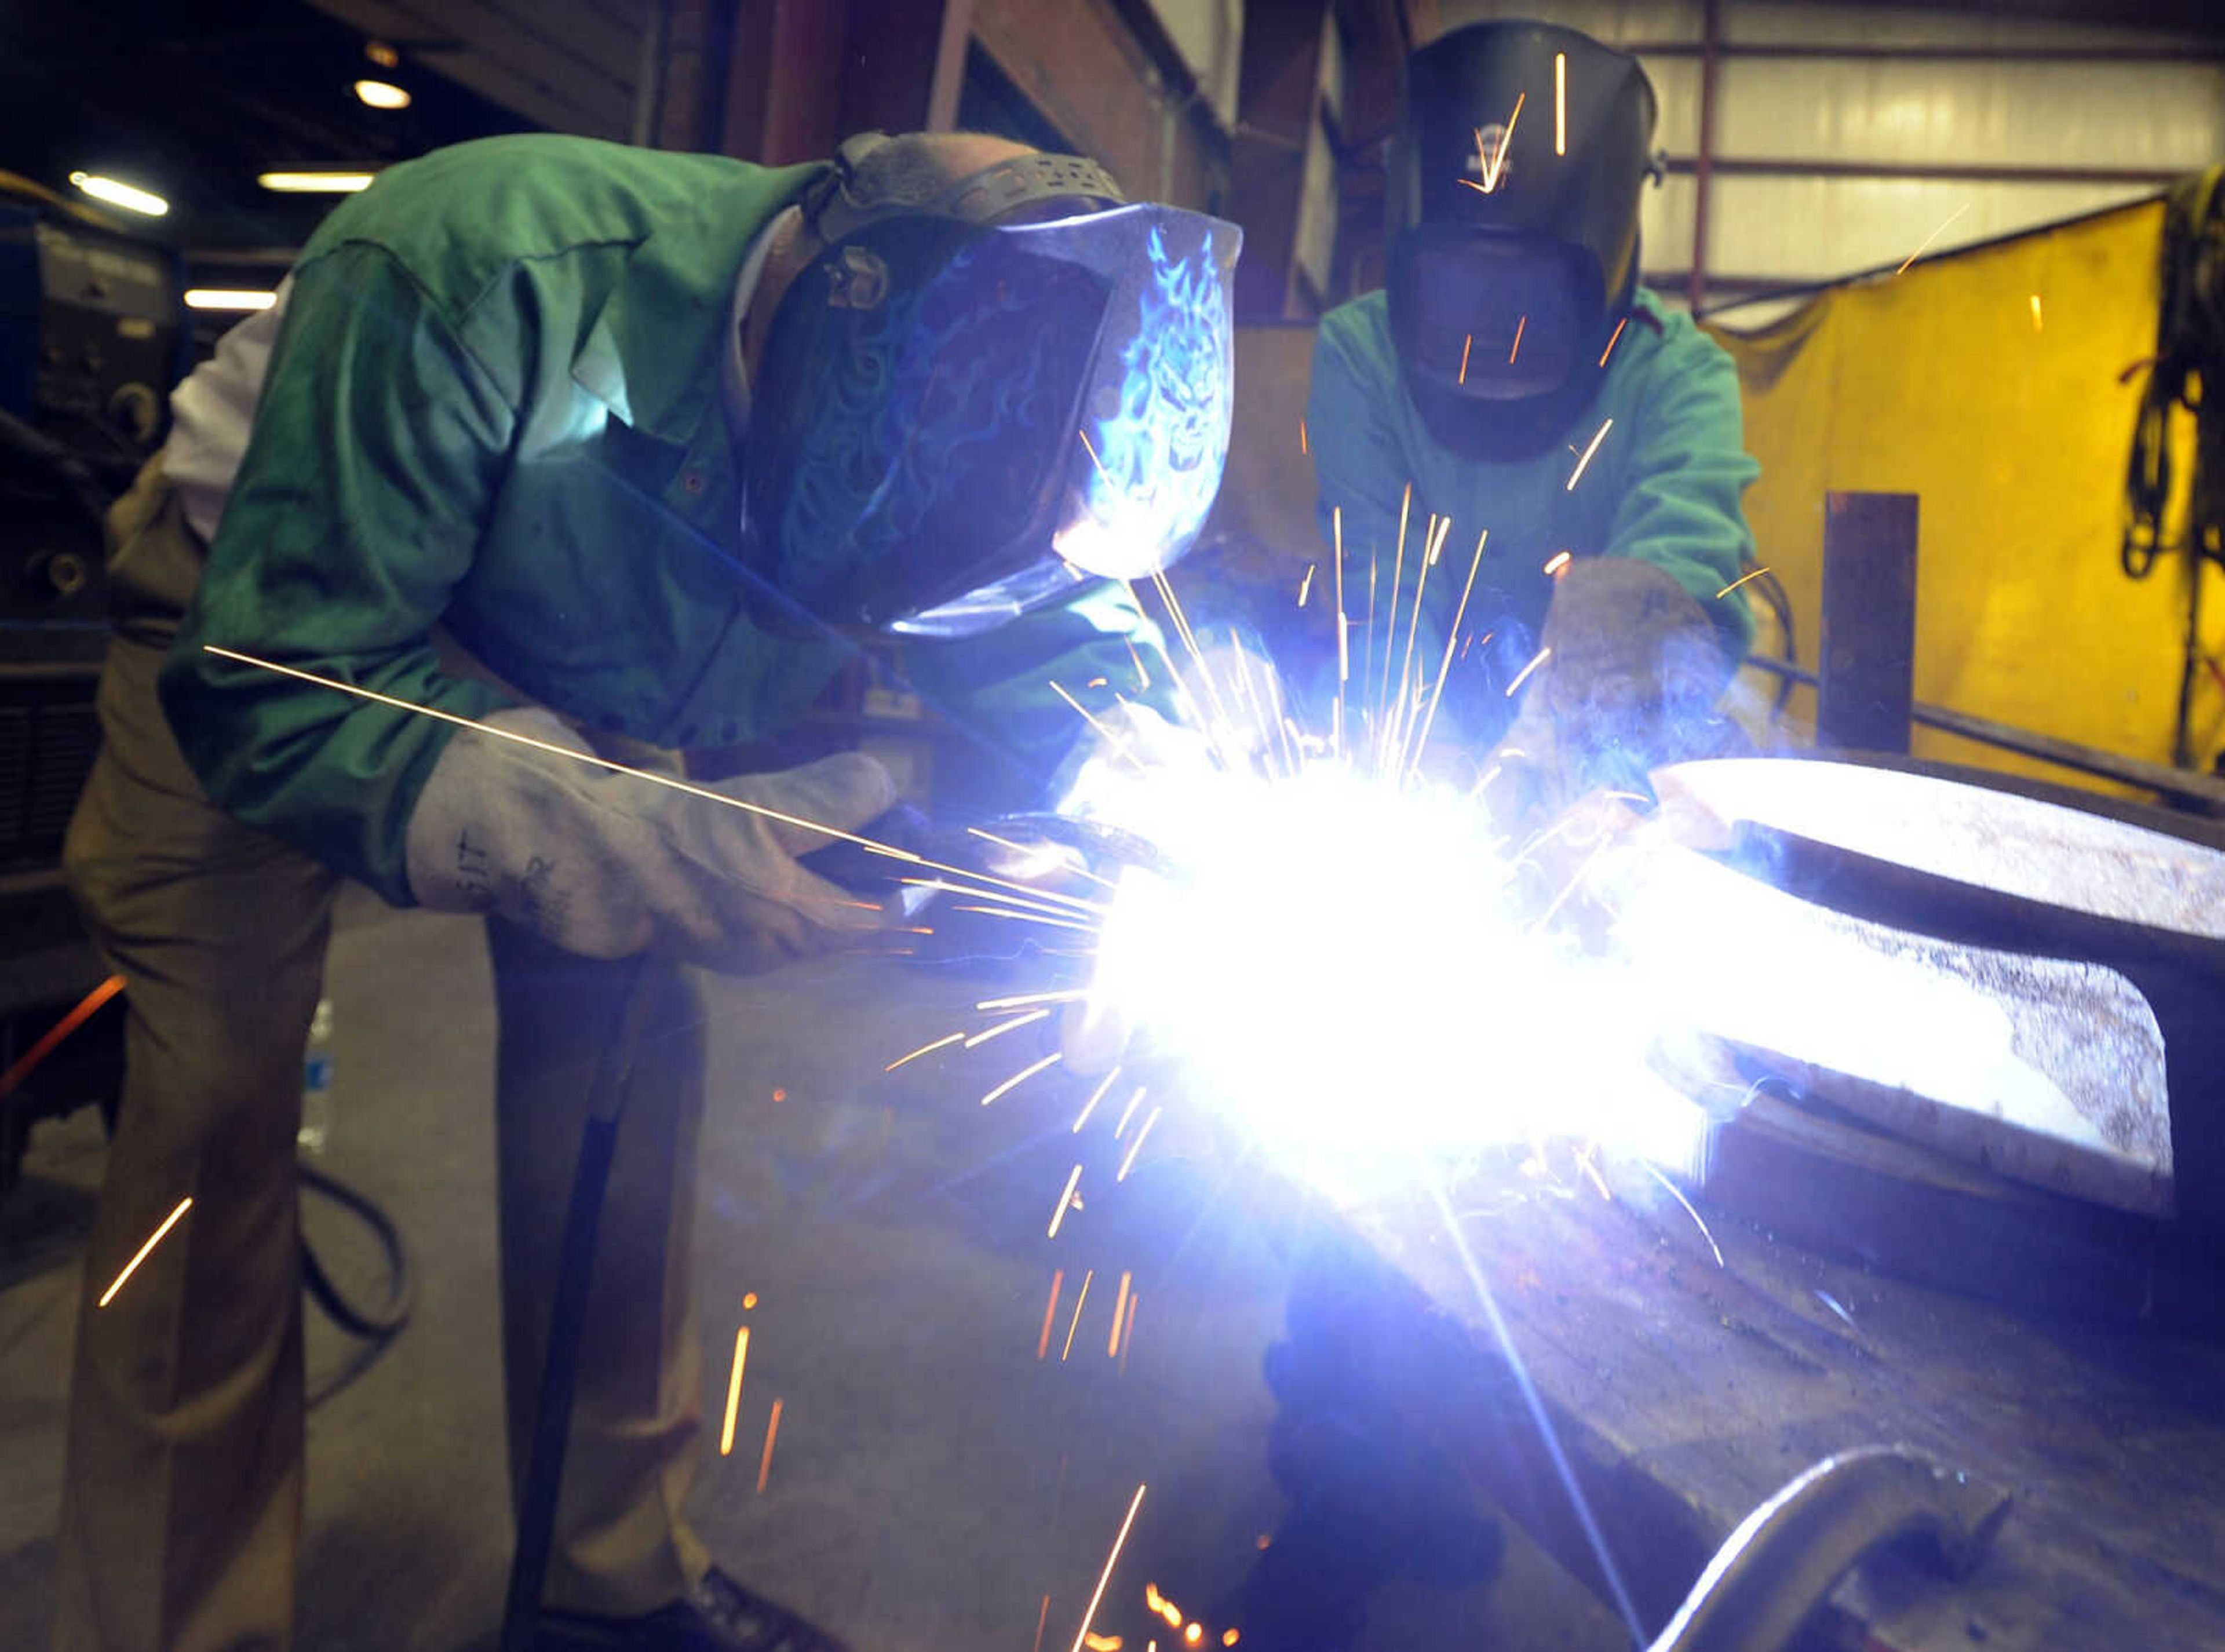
x,y
1514,178
959,413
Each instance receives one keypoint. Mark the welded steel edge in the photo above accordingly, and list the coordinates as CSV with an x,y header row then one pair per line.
x,y
1788,1555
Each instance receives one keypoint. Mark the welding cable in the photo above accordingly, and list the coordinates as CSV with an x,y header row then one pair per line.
x,y
381,1325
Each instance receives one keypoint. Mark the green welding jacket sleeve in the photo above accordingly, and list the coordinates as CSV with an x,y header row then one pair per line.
x,y
996,687
377,446
1357,462
1683,479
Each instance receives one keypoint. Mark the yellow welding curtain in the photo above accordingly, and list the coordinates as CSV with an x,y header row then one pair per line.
x,y
1993,384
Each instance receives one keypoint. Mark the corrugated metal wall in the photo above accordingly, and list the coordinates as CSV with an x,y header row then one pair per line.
x,y
2091,108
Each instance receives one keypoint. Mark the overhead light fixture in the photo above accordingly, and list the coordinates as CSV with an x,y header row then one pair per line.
x,y
316,183
119,194
381,94
228,298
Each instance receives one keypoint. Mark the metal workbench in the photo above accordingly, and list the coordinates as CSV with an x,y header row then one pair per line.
x,y
1683,1393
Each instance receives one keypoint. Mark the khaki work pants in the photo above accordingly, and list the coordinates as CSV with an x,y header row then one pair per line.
x,y
183,1503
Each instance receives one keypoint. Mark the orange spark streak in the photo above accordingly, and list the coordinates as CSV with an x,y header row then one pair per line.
x,y
1229,1638
1076,1325
1042,1615
1614,338
1129,1163
1560,122
668,782
1468,343
1397,574
1305,444
1119,1313
1106,1576
1930,238
1128,1335
1520,324
1306,585
1023,1075
1095,1096
1003,1027
1050,1312
1556,563
1194,1633
1127,1113
1101,1642
1068,908
1437,695
1736,583
1028,917
734,1392
1597,439
1064,1197
772,1433
81,1013
1014,1003
1118,744
1522,675
152,1239
1506,142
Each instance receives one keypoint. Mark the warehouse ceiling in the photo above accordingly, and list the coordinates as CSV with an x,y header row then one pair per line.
x,y
194,98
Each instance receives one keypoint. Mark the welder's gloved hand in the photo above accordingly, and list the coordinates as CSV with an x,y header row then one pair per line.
x,y
605,864
1631,683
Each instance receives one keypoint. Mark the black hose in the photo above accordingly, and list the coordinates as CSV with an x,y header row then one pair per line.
x,y
380,1325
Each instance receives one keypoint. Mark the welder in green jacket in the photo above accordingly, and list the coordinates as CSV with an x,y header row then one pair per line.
x,y
1516,375
613,450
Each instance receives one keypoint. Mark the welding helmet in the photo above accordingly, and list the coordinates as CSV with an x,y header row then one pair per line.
x,y
1512,211
969,401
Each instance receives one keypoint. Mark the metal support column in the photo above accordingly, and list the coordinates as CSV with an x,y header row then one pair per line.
x,y
1869,622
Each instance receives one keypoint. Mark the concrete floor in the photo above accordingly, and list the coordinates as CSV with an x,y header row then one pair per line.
x,y
932,1481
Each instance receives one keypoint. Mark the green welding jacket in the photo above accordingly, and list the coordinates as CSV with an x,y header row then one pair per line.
x,y
495,406
1663,484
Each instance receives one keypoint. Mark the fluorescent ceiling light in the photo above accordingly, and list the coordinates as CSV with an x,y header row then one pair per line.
x,y
226,298
316,183
381,94
119,194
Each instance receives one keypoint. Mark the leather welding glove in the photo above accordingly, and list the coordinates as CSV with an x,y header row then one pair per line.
x,y
1631,682
605,864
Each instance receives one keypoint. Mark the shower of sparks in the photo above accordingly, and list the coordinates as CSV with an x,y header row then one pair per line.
x,y
734,1392
1104,1577
1522,675
1436,693
1003,1027
772,1433
1598,437
1137,1146
1118,742
1560,102
1468,343
1930,238
1398,575
1557,563
1050,1312
1614,338
1520,324
1065,1197
152,1239
1120,1315
1027,917
1023,1076
1095,1096
1080,1302
1741,581
1128,1113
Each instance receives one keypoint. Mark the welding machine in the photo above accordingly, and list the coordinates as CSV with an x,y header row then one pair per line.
x,y
90,331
